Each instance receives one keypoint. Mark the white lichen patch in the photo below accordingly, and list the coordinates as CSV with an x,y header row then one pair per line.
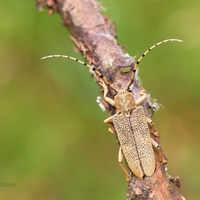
x,y
100,103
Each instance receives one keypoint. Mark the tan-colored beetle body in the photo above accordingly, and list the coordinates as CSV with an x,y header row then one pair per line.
x,y
132,126
133,132
135,141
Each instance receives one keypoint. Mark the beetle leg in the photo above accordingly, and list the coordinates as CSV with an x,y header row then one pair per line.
x,y
150,122
154,143
105,92
109,120
142,98
110,130
120,158
152,129
160,154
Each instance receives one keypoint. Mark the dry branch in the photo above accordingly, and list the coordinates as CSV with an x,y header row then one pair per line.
x,y
95,38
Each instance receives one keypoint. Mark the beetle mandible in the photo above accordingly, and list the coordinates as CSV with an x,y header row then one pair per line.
x,y
130,122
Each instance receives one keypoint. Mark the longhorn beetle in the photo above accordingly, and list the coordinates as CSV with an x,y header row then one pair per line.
x,y
130,122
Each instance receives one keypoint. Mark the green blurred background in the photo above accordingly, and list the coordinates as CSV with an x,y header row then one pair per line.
x,y
53,142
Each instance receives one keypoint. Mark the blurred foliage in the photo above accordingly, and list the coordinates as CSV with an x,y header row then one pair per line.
x,y
53,142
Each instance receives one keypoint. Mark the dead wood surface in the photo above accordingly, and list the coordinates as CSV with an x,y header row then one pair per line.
x,y
95,38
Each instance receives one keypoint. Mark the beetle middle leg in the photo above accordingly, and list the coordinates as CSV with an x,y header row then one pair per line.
x,y
109,121
152,127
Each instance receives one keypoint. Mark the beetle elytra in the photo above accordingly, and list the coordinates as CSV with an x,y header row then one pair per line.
x,y
132,126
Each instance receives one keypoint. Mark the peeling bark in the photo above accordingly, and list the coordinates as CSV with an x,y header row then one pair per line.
x,y
95,38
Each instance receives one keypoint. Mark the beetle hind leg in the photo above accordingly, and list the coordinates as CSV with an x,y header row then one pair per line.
x,y
161,156
120,158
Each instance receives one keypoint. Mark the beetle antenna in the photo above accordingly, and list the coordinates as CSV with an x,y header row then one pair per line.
x,y
83,63
145,53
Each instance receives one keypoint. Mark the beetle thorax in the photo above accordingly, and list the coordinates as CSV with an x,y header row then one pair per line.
x,y
124,101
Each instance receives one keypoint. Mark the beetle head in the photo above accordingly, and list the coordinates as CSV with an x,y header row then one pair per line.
x,y
124,101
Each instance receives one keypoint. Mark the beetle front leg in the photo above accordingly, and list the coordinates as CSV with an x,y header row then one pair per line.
x,y
105,92
142,97
120,158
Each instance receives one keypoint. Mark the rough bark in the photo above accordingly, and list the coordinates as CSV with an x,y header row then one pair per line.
x,y
95,38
